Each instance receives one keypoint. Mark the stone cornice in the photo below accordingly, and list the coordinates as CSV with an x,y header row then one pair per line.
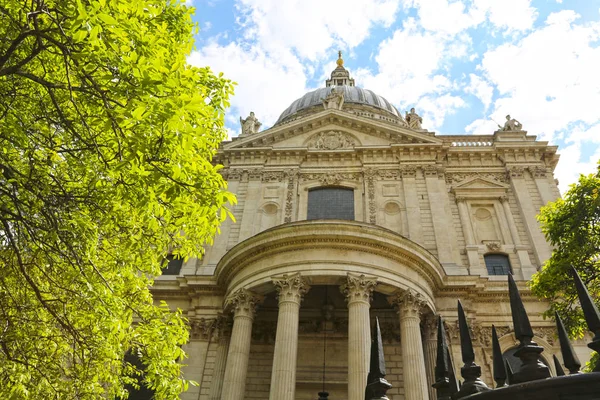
x,y
333,234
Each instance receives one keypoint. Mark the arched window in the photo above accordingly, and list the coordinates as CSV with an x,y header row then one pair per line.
x,y
497,264
331,203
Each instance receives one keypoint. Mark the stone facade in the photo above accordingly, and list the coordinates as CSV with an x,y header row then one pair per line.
x,y
276,295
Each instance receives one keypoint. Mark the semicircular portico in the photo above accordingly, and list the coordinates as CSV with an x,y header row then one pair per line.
x,y
325,252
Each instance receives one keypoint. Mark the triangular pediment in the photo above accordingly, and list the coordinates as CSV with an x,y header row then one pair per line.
x,y
333,130
478,182
479,188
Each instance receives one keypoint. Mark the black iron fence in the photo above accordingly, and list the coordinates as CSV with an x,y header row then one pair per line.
x,y
531,381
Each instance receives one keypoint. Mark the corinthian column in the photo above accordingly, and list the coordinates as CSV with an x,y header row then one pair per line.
x,y
283,378
430,350
358,290
223,333
243,302
409,305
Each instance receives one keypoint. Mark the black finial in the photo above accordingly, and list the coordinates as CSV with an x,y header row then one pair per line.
x,y
571,361
470,371
443,366
454,388
559,369
590,312
509,372
523,331
498,361
377,385
529,352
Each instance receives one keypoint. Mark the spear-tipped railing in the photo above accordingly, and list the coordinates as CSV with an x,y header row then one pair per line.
x,y
531,381
377,385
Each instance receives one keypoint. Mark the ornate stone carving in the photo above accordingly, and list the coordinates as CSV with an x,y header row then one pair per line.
x,y
493,245
511,125
407,302
358,288
454,178
390,330
334,100
408,170
389,174
370,178
243,302
330,178
332,140
413,119
272,176
431,170
232,174
254,173
289,197
538,171
429,326
202,328
250,124
290,287
516,171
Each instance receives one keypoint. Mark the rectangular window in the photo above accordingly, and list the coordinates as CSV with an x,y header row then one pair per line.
x,y
331,203
171,265
497,264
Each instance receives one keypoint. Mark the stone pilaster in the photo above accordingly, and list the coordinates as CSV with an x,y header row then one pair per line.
x,y
244,303
540,247
283,378
409,306
358,291
223,334
527,270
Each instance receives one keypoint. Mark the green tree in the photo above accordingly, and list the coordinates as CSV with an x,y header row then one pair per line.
x,y
106,140
572,226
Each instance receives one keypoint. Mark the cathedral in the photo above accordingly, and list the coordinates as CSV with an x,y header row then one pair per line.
x,y
349,210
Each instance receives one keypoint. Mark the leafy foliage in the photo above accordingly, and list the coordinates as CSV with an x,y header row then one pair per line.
x,y
572,225
106,140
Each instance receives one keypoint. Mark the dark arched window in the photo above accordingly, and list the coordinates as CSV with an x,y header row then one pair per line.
x,y
497,264
331,203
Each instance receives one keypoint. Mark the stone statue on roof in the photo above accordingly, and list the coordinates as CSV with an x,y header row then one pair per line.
x,y
511,124
334,100
250,124
413,119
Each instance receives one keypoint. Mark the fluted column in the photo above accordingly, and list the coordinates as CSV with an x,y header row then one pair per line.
x,y
223,333
243,302
409,306
358,290
283,378
430,351
527,270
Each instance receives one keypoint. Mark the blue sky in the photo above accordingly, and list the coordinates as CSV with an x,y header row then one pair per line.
x,y
462,64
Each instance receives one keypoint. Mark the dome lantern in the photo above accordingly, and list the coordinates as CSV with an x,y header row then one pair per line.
x,y
340,76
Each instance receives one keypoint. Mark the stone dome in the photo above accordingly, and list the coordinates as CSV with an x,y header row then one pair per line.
x,y
352,95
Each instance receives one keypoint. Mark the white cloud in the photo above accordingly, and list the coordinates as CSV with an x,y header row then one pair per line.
x,y
311,27
451,17
548,80
513,15
571,165
481,89
267,82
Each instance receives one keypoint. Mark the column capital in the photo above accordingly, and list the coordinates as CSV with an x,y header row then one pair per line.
x,y
408,303
461,199
290,288
243,302
358,288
